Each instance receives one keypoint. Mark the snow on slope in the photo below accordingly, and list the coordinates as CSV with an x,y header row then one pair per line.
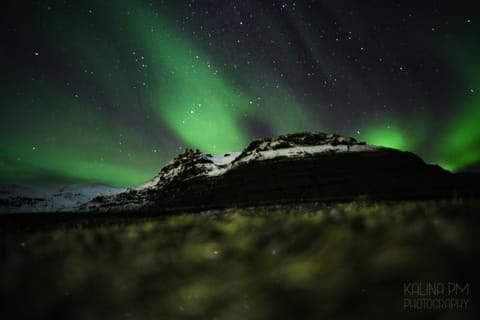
x,y
301,151
23,199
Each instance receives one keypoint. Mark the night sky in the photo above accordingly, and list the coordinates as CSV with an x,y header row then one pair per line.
x,y
110,91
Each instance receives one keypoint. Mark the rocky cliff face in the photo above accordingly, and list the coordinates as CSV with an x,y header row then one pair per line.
x,y
300,167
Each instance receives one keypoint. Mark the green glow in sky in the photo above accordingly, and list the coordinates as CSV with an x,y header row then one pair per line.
x,y
462,146
70,147
387,137
393,133
460,143
167,81
198,102
113,90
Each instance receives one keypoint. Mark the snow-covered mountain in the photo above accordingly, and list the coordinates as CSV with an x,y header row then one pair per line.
x,y
18,198
300,167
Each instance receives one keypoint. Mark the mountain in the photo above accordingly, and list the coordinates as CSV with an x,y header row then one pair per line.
x,y
300,167
24,199
292,168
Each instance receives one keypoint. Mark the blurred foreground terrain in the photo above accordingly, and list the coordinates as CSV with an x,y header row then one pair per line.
x,y
308,261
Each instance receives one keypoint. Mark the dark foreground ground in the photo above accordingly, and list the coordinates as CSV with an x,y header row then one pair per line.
x,y
353,260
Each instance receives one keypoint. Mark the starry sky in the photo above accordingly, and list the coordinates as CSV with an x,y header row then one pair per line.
x,y
110,91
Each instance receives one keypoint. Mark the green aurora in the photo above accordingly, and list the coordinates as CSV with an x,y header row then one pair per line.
x,y
139,88
460,143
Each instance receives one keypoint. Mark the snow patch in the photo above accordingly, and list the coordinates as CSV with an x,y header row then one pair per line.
x,y
65,199
301,151
224,160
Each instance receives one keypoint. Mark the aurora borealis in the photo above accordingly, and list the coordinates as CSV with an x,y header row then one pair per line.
x,y
110,91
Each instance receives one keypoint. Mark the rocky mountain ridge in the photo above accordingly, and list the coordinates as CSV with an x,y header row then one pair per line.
x,y
299,167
